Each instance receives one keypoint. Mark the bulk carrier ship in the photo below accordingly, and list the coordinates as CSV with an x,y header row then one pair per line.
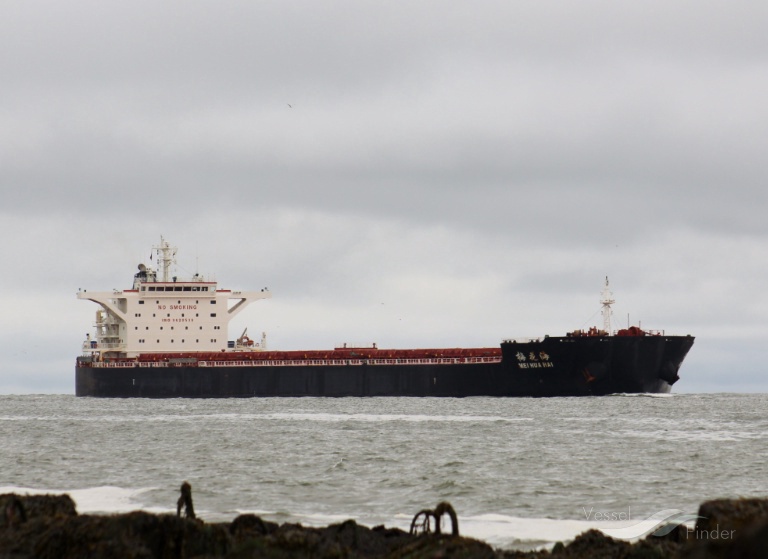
x,y
167,338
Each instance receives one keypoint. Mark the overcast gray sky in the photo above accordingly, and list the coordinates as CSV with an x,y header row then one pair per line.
x,y
416,173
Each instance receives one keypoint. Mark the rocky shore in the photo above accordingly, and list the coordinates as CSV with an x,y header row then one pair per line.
x,y
48,526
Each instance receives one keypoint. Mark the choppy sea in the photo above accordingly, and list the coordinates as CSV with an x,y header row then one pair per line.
x,y
520,473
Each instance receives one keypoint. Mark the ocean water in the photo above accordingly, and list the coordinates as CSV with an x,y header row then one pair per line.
x,y
520,473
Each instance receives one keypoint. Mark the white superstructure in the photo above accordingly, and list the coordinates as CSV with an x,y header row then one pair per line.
x,y
163,314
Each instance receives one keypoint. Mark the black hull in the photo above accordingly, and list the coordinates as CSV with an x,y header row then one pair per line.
x,y
559,366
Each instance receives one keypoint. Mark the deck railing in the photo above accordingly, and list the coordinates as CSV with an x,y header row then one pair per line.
x,y
295,362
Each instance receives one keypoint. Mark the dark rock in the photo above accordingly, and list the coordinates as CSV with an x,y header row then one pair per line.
x,y
49,527
730,528
747,543
752,542
438,546
363,541
132,535
249,526
653,549
34,506
678,533
725,515
593,544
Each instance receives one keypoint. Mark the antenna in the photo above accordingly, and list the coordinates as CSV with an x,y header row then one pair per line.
x,y
607,300
165,257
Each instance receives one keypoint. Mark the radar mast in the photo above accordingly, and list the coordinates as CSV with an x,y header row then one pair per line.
x,y
165,258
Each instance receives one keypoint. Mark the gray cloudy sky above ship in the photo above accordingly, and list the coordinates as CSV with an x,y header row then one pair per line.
x,y
415,174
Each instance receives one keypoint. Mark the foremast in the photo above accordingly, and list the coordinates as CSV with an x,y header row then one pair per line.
x,y
606,301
